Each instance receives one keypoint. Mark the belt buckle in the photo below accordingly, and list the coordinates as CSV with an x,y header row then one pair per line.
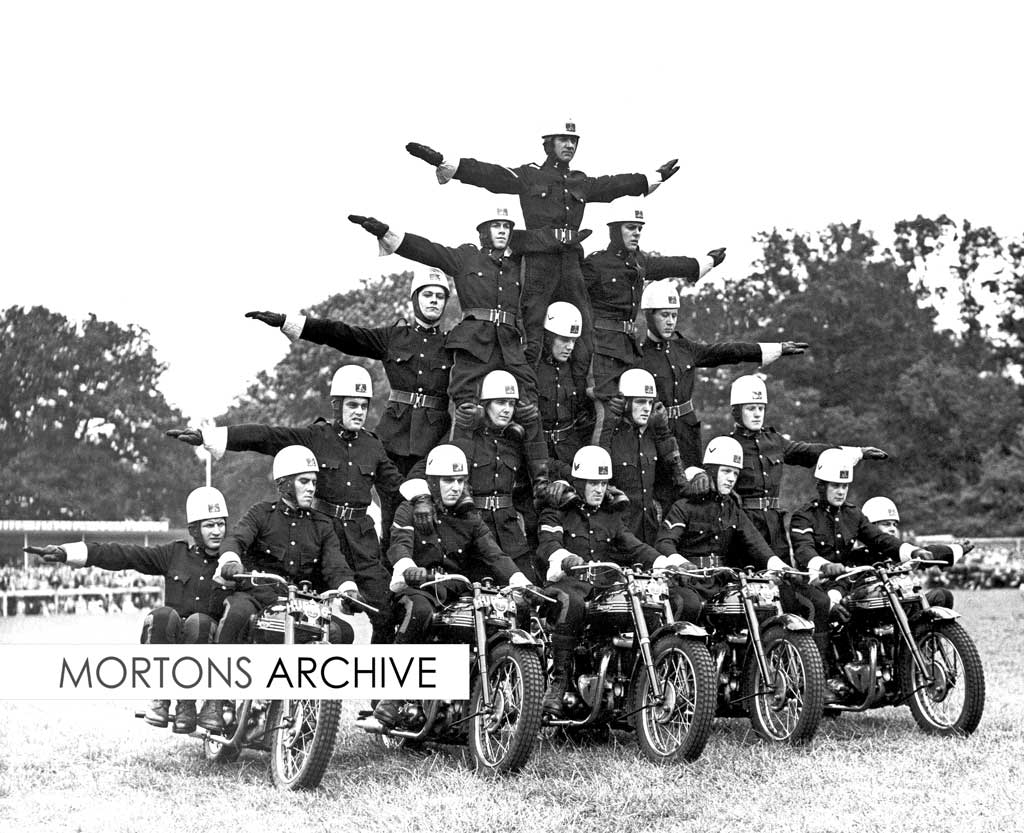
x,y
630,327
563,235
418,400
491,502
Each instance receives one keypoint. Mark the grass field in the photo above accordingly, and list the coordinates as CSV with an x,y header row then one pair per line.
x,y
90,766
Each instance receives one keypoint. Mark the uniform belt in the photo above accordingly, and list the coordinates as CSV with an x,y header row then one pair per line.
x,y
498,316
492,501
628,327
705,561
418,400
761,503
557,435
682,409
342,513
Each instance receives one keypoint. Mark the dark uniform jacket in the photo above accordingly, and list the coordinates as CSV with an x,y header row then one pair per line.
x,y
415,361
615,279
550,194
295,543
462,544
634,471
830,532
673,365
712,531
484,279
566,412
592,534
765,452
188,572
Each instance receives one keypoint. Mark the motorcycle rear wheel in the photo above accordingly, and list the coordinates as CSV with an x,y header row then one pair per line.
x,y
503,740
954,703
677,729
302,736
788,707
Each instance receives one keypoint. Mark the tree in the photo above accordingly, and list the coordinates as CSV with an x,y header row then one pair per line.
x,y
81,421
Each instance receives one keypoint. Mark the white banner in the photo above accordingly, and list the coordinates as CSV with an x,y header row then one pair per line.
x,y
315,672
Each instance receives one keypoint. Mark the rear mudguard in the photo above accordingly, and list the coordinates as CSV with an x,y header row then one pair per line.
x,y
789,622
933,614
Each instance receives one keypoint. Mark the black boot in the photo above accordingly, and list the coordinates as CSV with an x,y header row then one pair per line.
x,y
835,685
156,714
386,713
561,669
211,716
185,717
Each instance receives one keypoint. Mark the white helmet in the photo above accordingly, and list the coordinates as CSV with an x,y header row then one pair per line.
x,y
834,466
563,319
637,382
499,384
429,277
879,509
446,461
567,128
724,451
352,380
501,212
294,459
748,390
628,211
592,462
662,294
205,503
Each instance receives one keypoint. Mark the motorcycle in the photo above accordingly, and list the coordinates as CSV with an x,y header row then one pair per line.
x,y
767,664
299,734
660,684
502,717
897,648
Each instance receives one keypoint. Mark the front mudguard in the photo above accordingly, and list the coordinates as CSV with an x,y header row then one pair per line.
x,y
789,622
684,629
517,636
933,614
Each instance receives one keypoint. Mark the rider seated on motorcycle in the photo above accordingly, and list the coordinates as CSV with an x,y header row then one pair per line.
x,y
285,538
883,513
193,602
459,543
590,528
825,531
711,530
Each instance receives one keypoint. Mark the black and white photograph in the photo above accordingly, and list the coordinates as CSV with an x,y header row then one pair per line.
x,y
646,379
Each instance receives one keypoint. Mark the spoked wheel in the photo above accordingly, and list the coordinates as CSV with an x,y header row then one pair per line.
x,y
786,707
502,740
952,704
302,735
221,753
677,727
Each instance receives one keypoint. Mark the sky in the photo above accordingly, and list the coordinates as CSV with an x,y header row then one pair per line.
x,y
174,165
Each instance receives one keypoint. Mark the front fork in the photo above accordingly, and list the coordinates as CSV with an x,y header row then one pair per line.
x,y
481,651
644,636
907,632
754,630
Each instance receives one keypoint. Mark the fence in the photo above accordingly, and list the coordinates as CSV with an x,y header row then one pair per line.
x,y
105,594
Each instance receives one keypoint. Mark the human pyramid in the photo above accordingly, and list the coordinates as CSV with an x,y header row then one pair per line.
x,y
539,435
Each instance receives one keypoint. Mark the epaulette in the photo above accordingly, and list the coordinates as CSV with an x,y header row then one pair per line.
x,y
533,165
317,421
401,321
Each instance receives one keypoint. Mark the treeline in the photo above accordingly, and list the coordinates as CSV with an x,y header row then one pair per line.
x,y
941,395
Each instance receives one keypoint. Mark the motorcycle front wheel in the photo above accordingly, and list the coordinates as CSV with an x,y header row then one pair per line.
x,y
302,736
953,703
502,739
787,707
222,753
677,727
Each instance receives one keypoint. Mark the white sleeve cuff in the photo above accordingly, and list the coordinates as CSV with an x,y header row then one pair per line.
x,y
518,580
78,552
293,326
854,452
397,574
692,472
417,487
958,552
707,263
446,170
776,563
835,597
660,563
348,586
389,243
907,551
770,351
653,181
555,571
225,559
215,440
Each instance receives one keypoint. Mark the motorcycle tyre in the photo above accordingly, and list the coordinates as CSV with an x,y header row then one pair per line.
x,y
972,679
525,728
700,671
317,737
802,646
